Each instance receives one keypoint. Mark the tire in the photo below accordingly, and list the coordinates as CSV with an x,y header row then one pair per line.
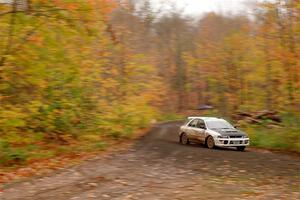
x,y
242,148
210,143
184,139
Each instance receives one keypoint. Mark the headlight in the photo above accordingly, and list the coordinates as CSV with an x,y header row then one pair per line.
x,y
244,136
223,137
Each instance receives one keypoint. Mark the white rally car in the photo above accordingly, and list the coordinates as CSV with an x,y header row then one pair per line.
x,y
212,132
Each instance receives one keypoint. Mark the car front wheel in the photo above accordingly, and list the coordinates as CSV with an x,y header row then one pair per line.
x,y
210,143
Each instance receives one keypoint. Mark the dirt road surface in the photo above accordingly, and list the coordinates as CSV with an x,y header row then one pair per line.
x,y
157,167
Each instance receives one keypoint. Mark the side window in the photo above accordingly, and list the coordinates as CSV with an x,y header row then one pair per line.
x,y
193,123
201,124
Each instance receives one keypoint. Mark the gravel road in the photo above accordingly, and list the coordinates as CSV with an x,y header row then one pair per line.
x,y
158,167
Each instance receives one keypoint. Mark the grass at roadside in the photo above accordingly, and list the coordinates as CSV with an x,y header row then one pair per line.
x,y
275,138
43,158
15,155
283,137
32,148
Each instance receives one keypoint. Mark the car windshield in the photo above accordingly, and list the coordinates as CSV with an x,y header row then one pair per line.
x,y
218,125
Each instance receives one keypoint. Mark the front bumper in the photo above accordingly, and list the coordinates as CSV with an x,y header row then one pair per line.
x,y
232,142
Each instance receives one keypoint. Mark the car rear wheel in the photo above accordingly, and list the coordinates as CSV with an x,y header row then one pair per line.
x,y
184,139
240,148
210,143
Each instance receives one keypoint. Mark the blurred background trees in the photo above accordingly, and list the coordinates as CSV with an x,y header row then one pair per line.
x,y
233,62
70,70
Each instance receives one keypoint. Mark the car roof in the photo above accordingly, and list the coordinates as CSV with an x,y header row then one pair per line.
x,y
206,118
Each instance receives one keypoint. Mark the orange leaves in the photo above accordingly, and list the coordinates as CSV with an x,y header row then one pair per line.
x,y
36,39
66,5
103,7
106,6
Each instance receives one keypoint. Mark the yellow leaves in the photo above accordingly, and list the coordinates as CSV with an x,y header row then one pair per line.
x,y
11,118
69,78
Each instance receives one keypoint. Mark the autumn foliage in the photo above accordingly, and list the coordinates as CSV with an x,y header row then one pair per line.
x,y
64,79
87,71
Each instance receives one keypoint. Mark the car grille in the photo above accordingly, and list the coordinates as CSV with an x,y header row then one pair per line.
x,y
236,136
236,142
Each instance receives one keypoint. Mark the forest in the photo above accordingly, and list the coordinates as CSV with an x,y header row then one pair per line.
x,y
77,75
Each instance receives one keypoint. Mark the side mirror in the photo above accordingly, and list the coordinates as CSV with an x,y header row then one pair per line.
x,y
236,126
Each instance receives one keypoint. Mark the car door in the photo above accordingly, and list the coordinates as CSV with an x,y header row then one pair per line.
x,y
200,131
192,129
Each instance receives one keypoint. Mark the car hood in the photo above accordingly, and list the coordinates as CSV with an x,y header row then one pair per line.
x,y
229,132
